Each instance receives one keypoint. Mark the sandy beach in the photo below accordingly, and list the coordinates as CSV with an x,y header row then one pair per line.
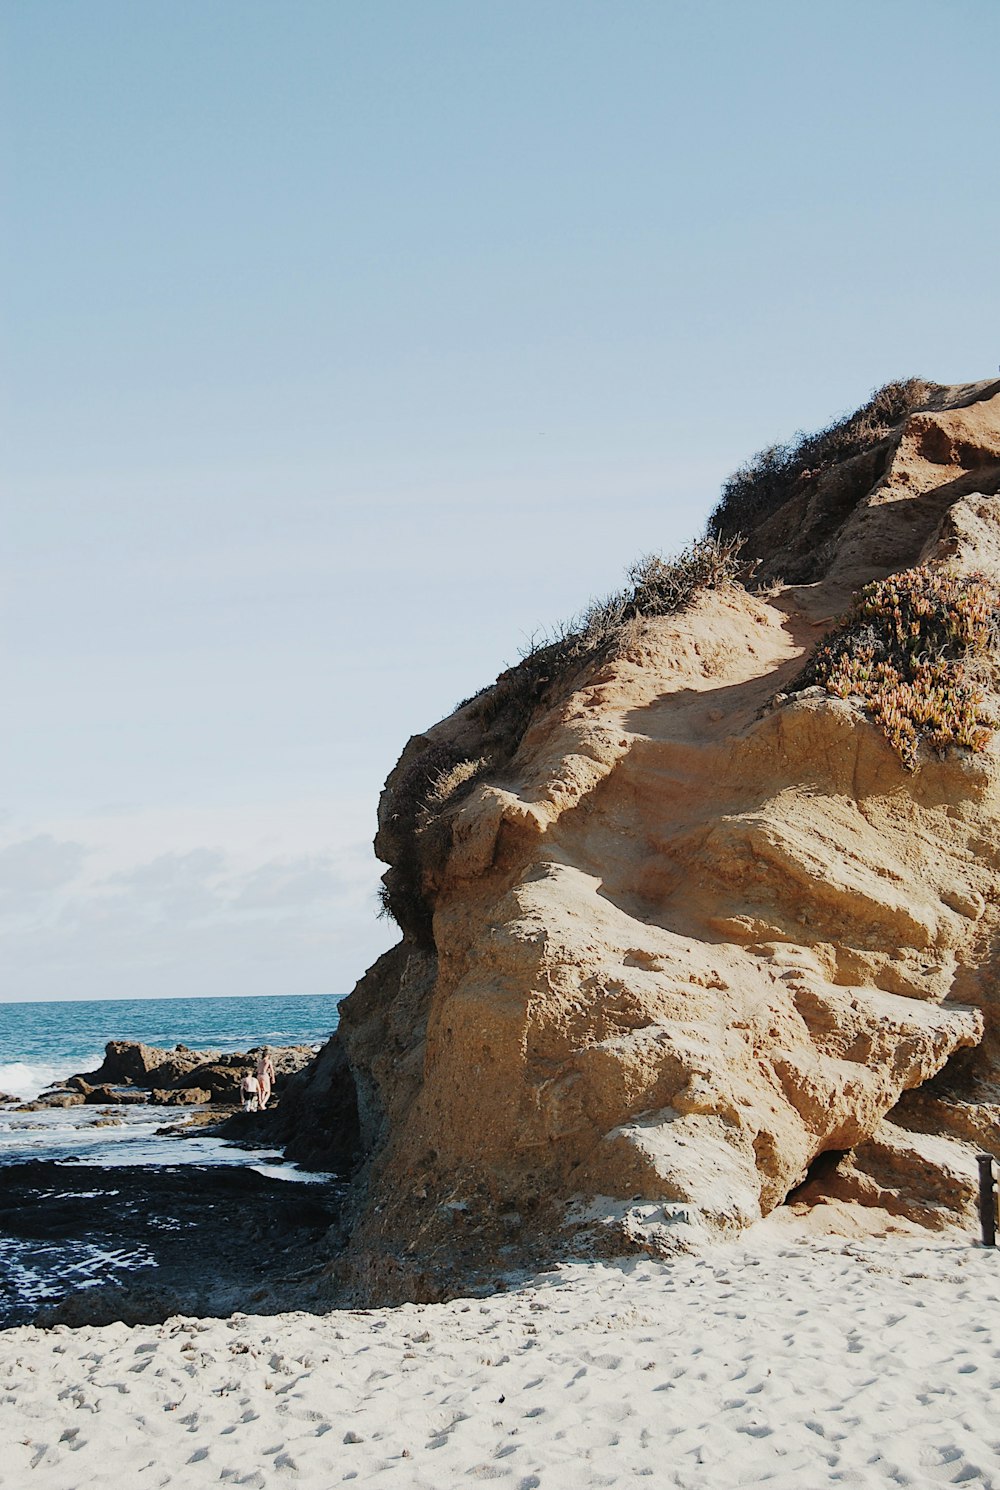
x,y
781,1360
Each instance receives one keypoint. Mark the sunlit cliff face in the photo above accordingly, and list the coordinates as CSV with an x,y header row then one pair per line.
x,y
705,925
729,954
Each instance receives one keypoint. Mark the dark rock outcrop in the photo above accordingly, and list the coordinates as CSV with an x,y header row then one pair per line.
x,y
57,1098
132,1072
336,1112
137,1244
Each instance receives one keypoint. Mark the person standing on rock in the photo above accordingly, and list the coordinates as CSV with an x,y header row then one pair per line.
x,y
265,1078
250,1092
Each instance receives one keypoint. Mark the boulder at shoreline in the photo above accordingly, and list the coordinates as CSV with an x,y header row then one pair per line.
x,y
132,1072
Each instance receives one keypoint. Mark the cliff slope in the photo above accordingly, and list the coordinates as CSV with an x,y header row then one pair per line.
x,y
682,930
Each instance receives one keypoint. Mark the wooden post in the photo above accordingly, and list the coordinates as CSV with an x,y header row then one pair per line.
x,y
987,1200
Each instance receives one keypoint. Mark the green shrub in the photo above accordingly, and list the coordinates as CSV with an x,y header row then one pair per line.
x,y
766,482
912,651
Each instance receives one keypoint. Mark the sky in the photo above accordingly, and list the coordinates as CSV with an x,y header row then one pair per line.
x,y
346,347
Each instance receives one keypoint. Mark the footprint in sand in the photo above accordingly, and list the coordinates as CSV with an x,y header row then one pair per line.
x,y
959,1471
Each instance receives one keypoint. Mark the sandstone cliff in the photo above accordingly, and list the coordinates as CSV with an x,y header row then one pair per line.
x,y
683,933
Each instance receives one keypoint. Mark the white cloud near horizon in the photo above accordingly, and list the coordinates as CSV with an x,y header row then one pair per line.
x,y
112,908
33,866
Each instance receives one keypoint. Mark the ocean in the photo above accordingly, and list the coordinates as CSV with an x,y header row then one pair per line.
x,y
43,1043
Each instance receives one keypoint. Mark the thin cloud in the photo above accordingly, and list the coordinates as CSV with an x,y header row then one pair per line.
x,y
36,867
201,920
282,883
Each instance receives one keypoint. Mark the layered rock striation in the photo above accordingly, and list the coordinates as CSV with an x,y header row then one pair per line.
x,y
684,937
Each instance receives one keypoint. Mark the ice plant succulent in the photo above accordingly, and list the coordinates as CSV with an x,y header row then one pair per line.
x,y
905,653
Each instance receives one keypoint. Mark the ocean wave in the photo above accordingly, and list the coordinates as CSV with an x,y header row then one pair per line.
x,y
26,1079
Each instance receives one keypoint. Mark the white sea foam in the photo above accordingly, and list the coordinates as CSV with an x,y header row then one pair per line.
x,y
25,1080
291,1173
79,1135
36,1272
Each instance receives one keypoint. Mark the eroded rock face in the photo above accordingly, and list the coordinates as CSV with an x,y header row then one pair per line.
x,y
691,939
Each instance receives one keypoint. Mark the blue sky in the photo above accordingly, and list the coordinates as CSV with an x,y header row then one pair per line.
x,y
346,346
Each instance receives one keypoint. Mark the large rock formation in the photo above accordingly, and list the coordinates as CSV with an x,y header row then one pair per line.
x,y
132,1072
689,926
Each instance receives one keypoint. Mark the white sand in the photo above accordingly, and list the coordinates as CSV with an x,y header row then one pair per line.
x,y
783,1360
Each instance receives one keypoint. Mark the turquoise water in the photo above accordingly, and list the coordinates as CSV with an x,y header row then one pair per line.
x,y
41,1043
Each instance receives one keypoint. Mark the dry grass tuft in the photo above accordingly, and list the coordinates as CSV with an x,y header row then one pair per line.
x,y
770,478
914,653
657,587
437,778
447,784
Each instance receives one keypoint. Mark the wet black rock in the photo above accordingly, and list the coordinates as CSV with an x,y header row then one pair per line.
x,y
185,1096
83,1245
317,1120
130,1066
105,1096
58,1098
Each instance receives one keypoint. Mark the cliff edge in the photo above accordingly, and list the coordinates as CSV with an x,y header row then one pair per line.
x,y
699,907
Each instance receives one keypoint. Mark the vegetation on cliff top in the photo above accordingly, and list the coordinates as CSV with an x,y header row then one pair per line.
x,y
914,652
442,773
755,491
657,587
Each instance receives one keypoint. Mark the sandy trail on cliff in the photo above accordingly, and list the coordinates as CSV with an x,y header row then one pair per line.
x,y
786,1359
